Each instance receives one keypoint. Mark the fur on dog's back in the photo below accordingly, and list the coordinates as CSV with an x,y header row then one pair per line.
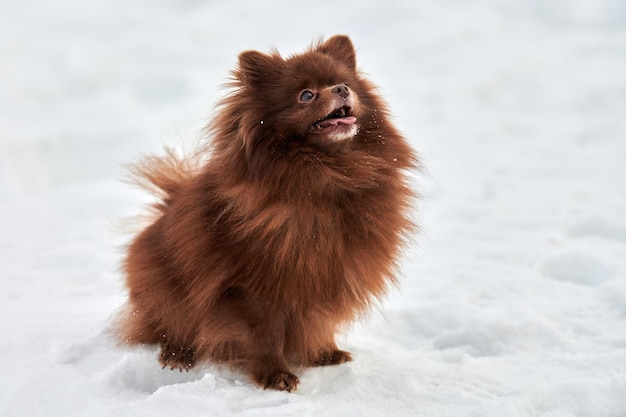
x,y
267,246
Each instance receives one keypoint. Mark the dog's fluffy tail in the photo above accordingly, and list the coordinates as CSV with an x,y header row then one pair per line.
x,y
163,175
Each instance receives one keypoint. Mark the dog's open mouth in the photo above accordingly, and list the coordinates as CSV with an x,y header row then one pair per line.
x,y
340,119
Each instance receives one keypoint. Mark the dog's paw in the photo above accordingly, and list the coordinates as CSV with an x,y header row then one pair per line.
x,y
331,357
181,359
280,381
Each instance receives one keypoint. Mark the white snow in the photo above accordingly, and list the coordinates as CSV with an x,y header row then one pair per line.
x,y
513,302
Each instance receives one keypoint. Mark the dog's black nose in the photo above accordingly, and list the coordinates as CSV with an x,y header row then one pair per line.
x,y
341,89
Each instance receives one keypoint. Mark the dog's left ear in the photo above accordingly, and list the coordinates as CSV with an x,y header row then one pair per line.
x,y
340,48
256,69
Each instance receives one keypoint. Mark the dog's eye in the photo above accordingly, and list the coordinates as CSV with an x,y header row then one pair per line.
x,y
306,95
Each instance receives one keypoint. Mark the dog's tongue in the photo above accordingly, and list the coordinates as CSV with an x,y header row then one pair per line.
x,y
340,120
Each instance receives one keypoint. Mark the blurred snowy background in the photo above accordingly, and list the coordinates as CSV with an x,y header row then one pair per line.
x,y
512,304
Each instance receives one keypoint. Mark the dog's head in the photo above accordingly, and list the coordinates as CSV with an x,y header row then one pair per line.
x,y
312,97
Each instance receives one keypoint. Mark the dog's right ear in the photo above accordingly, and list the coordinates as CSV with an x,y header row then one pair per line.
x,y
340,47
256,68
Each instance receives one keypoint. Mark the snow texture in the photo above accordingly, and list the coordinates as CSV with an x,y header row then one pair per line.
x,y
512,302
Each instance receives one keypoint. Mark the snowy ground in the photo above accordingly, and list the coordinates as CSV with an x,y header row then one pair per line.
x,y
512,304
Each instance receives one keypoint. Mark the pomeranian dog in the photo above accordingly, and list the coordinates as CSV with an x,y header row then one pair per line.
x,y
284,227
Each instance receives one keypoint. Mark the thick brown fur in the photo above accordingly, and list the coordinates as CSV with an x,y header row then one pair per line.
x,y
277,235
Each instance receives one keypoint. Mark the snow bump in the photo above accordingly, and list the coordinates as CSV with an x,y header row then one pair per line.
x,y
578,268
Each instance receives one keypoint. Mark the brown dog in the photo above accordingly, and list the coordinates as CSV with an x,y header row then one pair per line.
x,y
284,228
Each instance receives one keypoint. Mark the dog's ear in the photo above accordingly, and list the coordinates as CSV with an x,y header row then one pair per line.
x,y
256,68
340,48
